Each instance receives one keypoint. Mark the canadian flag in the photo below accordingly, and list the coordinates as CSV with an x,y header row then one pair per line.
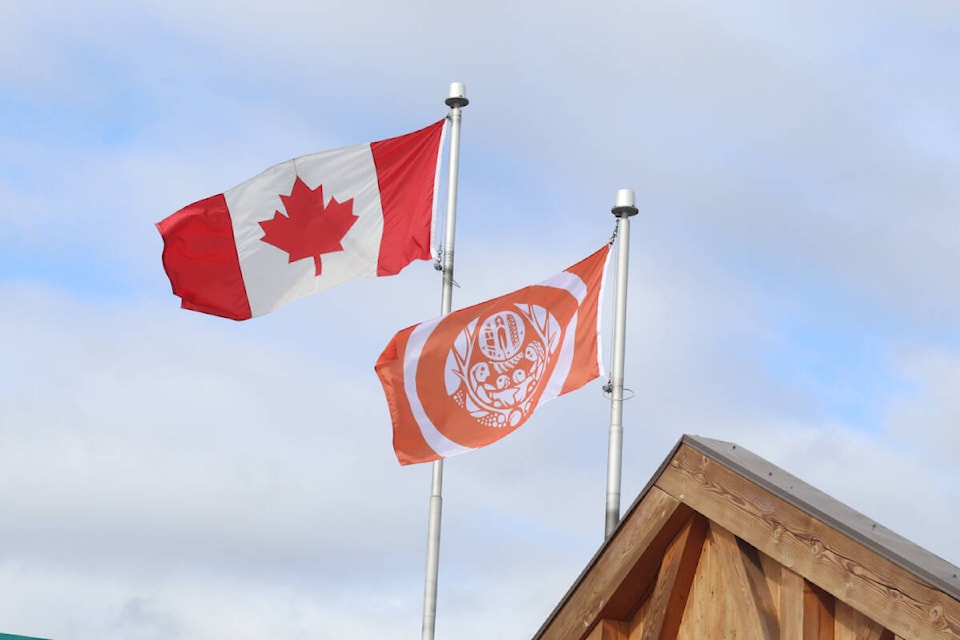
x,y
305,225
469,378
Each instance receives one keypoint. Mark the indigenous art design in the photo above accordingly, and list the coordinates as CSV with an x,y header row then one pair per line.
x,y
467,379
498,364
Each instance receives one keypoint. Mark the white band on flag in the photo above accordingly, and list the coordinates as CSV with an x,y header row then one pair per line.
x,y
578,289
441,444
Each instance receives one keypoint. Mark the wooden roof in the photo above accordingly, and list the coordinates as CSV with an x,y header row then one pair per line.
x,y
722,544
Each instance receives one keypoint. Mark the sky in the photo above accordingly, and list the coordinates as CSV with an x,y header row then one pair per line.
x,y
792,289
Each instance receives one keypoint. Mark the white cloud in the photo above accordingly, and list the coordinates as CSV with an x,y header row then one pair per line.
x,y
166,474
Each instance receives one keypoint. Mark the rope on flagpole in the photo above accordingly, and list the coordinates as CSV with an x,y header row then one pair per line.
x,y
438,265
613,236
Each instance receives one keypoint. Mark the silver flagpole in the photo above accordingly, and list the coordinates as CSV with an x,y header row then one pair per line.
x,y
456,101
623,209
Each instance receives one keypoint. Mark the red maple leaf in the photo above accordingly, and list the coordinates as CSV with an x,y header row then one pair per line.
x,y
309,229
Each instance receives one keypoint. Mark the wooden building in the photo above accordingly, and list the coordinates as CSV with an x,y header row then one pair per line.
x,y
722,544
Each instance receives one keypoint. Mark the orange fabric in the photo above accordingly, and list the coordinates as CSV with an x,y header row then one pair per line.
x,y
408,444
472,377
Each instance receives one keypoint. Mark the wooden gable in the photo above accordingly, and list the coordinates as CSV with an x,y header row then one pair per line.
x,y
722,544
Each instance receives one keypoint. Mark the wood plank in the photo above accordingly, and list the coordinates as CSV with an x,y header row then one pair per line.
x,y
771,570
609,630
847,622
630,558
818,620
640,578
853,625
763,598
754,610
707,613
636,623
846,569
680,594
791,605
669,598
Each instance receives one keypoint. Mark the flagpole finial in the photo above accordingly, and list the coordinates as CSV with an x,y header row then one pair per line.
x,y
625,204
458,95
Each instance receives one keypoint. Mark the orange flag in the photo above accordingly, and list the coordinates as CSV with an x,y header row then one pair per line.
x,y
469,378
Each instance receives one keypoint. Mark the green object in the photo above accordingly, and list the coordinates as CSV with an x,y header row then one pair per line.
x,y
10,636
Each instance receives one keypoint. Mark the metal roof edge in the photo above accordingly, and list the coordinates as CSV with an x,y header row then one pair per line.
x,y
888,544
802,495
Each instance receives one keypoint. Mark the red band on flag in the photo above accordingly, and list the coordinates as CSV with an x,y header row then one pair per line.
x,y
200,258
305,225
406,172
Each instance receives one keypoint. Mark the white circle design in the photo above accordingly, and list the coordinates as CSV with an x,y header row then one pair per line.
x,y
435,439
497,366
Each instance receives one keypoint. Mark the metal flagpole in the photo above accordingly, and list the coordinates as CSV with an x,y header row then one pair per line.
x,y
623,209
456,101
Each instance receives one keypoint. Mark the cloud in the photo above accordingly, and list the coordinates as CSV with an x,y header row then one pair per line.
x,y
792,266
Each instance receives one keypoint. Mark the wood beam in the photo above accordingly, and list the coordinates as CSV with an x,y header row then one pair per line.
x,y
898,600
818,620
609,630
853,625
754,606
791,605
625,565
672,588
763,598
771,570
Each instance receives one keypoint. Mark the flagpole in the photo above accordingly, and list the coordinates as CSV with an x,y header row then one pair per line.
x,y
456,100
623,209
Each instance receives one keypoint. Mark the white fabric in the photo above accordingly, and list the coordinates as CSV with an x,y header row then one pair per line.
x,y
442,445
437,441
271,281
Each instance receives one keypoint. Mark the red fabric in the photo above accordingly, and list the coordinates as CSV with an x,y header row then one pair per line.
x,y
406,171
200,258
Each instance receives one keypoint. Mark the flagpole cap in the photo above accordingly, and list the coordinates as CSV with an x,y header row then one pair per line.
x,y
625,205
458,95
